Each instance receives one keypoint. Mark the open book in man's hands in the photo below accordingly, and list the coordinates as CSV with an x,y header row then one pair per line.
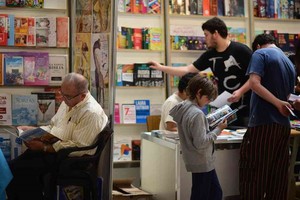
x,y
216,117
29,134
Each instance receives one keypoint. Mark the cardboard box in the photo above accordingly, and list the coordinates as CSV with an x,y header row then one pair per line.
x,y
124,190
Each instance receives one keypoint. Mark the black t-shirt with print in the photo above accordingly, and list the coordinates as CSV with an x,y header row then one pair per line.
x,y
229,68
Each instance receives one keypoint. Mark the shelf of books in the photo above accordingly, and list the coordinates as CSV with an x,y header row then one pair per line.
x,y
284,19
34,57
139,89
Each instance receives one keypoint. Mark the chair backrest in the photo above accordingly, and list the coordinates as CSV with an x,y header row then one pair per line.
x,y
102,139
153,122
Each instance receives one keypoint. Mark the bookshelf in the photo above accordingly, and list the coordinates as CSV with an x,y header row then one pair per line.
x,y
52,10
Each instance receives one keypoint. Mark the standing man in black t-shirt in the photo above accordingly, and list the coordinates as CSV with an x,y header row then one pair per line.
x,y
228,61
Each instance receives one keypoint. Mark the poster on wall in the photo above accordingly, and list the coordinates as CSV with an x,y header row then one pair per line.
x,y
83,16
82,54
99,68
101,16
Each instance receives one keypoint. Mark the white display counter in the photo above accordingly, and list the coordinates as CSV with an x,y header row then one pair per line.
x,y
164,175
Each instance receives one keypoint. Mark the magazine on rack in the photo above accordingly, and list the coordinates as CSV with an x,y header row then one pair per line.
x,y
27,135
225,112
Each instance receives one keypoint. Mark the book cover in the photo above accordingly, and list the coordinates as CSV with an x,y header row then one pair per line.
x,y
143,6
136,149
46,31
10,30
29,70
5,109
127,6
31,35
121,5
117,113
5,144
157,78
217,116
2,3
46,107
220,7
206,7
21,31
13,3
142,108
13,68
122,149
3,29
145,38
62,31
58,67
199,6
155,39
142,74
137,38
213,7
174,80
58,96
32,134
127,75
236,8
128,113
24,109
154,6
1,69
40,75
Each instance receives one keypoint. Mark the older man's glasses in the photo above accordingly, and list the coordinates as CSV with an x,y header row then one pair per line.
x,y
69,98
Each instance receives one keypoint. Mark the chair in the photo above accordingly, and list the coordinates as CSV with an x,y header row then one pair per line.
x,y
81,171
153,122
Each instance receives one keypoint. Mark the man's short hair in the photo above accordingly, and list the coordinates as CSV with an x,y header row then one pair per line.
x,y
216,24
263,39
184,81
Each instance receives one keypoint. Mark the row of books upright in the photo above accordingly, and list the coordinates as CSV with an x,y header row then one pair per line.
x,y
278,9
34,31
32,68
22,3
188,42
207,7
285,41
138,74
135,112
140,6
140,38
33,109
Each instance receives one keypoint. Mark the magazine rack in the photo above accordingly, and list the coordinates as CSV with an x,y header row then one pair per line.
x,y
80,171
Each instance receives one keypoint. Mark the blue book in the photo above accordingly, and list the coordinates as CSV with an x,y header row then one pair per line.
x,y
24,110
142,110
11,30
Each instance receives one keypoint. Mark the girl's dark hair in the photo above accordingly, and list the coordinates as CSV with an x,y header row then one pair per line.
x,y
216,24
262,39
203,85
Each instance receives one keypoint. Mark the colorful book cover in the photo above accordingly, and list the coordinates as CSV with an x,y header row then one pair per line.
x,y
58,67
128,113
13,3
154,6
155,39
206,7
62,31
24,110
2,3
3,29
127,75
143,6
34,3
142,73
46,31
29,70
117,113
136,149
137,38
122,149
145,38
41,69
127,6
13,67
11,30
46,107
5,144
58,96
174,80
1,69
31,35
21,31
82,52
142,108
213,7
5,109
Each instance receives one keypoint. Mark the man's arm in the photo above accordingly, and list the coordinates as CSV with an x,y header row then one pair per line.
x,y
171,126
176,71
236,95
255,85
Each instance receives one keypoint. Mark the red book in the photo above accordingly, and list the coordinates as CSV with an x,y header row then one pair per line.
x,y
137,38
206,7
3,29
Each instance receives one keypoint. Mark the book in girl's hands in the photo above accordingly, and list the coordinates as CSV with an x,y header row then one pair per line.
x,y
216,117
